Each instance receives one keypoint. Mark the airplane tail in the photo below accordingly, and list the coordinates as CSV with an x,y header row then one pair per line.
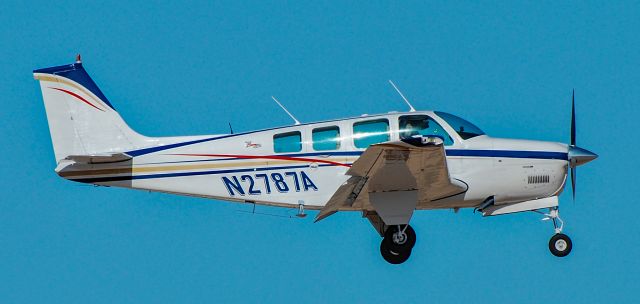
x,y
81,119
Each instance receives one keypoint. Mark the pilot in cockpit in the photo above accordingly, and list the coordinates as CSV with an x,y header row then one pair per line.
x,y
413,127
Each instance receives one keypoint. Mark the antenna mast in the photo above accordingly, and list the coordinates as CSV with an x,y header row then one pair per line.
x,y
285,109
411,109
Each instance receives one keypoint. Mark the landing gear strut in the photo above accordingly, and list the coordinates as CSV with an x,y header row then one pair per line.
x,y
560,244
397,243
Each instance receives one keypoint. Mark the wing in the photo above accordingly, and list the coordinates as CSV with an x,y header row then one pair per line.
x,y
392,179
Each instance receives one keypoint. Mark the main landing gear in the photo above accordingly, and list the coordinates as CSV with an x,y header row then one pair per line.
x,y
560,244
397,243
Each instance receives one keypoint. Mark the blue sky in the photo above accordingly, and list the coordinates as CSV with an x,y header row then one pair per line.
x,y
182,69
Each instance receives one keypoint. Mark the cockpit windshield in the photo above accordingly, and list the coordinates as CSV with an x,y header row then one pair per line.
x,y
464,128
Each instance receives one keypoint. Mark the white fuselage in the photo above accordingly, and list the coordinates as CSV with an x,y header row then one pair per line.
x,y
246,167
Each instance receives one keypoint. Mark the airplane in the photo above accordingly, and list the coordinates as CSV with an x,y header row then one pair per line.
x,y
384,166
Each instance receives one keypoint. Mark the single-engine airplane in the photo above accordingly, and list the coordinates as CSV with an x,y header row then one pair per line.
x,y
384,166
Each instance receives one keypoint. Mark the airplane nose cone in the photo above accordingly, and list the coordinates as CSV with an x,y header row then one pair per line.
x,y
579,156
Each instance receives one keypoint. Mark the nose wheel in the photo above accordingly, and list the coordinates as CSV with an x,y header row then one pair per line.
x,y
560,244
397,243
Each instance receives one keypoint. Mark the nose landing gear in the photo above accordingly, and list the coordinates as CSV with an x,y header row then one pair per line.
x,y
560,244
397,243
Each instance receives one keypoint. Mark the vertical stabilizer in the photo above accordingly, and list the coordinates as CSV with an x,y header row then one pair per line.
x,y
81,119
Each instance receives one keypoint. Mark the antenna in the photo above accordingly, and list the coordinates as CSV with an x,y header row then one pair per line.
x,y
285,109
230,128
411,109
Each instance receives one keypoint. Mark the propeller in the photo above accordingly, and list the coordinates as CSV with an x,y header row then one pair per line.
x,y
573,141
577,156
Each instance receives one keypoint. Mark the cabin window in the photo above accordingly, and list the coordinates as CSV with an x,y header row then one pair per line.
x,y
411,125
366,133
287,142
464,128
327,138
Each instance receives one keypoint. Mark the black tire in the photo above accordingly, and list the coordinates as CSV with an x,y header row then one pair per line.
x,y
407,245
560,245
393,257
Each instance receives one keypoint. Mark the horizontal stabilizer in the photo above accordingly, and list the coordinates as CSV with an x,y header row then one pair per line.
x,y
99,158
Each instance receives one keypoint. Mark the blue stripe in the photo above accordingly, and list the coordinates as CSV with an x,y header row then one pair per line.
x,y
449,152
180,174
144,151
78,74
352,153
339,153
508,154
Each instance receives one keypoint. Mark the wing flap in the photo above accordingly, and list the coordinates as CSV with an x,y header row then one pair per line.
x,y
344,197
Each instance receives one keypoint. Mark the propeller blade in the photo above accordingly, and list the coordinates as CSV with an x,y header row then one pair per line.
x,y
573,118
573,141
573,183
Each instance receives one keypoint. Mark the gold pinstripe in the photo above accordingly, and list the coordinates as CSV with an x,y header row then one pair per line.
x,y
180,167
44,77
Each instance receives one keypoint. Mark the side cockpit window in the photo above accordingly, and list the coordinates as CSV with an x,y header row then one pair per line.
x,y
366,133
326,138
412,125
287,142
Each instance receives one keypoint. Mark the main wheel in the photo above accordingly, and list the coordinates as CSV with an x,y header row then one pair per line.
x,y
560,245
397,241
393,257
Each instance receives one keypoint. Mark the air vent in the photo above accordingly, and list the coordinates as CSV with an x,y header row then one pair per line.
x,y
538,179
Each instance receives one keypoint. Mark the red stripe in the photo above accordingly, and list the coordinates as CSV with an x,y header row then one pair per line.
x,y
77,96
300,159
